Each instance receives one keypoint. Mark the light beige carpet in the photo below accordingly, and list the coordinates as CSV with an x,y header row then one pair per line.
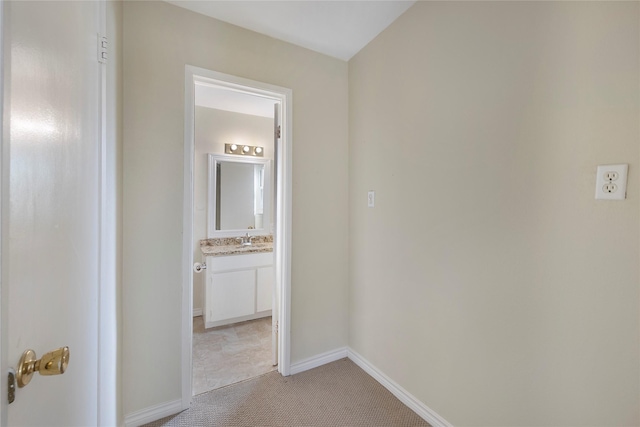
x,y
338,394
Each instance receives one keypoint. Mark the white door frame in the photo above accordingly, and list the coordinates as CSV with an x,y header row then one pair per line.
x,y
282,248
107,288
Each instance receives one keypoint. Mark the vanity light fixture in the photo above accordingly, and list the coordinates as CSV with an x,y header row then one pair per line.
x,y
244,150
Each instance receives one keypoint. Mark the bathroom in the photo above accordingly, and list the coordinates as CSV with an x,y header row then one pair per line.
x,y
233,217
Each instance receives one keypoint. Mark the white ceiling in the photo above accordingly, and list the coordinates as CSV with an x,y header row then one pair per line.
x,y
338,28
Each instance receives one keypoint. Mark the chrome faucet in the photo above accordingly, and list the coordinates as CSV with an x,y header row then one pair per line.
x,y
245,240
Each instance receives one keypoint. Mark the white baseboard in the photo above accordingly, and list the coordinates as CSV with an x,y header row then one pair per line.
x,y
426,413
318,360
153,413
197,312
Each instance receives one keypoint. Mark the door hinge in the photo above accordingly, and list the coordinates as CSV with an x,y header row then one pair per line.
x,y
11,389
102,49
278,132
276,327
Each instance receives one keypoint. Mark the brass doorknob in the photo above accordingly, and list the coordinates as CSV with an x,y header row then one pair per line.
x,y
53,363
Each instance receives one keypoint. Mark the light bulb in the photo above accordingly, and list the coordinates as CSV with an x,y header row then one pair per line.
x,y
258,150
245,149
233,147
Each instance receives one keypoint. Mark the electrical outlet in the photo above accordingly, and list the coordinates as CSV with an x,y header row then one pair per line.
x,y
611,182
611,175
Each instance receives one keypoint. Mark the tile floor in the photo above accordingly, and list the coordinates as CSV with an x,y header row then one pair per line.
x,y
229,354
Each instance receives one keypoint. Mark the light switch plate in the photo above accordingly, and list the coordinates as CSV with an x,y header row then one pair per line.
x,y
611,182
371,199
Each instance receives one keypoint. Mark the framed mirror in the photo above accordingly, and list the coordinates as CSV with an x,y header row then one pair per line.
x,y
238,196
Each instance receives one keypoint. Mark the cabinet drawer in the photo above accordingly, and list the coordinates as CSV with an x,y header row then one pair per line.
x,y
239,262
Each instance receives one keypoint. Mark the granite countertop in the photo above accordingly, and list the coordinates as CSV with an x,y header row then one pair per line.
x,y
229,246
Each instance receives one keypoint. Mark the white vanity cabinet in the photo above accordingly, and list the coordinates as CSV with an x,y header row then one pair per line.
x,y
239,288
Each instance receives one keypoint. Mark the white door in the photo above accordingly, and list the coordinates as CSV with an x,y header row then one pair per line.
x,y
50,232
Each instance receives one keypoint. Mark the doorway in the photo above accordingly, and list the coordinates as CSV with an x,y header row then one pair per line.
x,y
228,100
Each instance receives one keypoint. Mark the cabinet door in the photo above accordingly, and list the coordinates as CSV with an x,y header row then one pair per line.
x,y
266,280
232,295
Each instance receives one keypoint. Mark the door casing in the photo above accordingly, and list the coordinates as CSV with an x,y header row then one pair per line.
x,y
282,249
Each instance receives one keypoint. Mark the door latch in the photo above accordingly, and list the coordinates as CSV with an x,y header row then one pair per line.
x,y
11,390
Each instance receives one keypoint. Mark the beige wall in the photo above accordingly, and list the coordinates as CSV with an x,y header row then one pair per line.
x,y
159,40
487,281
214,128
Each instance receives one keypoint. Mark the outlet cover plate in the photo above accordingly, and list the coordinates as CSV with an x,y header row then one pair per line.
x,y
611,182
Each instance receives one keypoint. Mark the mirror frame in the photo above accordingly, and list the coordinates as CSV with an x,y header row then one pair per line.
x,y
214,160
